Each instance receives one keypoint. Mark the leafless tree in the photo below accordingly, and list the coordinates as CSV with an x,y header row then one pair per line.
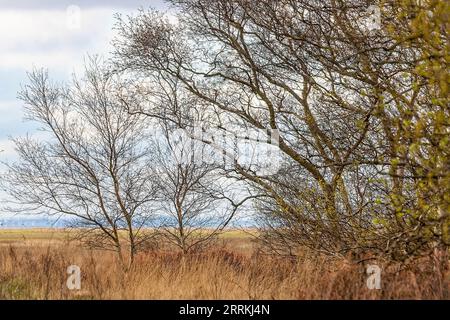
x,y
323,75
249,78
197,198
195,201
92,164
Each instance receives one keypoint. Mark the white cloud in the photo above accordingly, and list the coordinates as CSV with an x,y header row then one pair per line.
x,y
8,152
48,4
43,38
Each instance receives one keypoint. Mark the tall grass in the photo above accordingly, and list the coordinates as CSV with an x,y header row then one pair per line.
x,y
34,272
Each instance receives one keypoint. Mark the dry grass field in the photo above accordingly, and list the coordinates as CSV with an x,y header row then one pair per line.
x,y
33,265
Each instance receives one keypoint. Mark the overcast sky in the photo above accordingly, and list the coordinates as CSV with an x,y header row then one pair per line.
x,y
46,33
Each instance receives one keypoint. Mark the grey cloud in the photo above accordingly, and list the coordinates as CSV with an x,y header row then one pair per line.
x,y
62,4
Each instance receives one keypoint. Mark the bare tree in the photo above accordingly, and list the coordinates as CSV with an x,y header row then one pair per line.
x,y
247,77
92,165
195,201
331,82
